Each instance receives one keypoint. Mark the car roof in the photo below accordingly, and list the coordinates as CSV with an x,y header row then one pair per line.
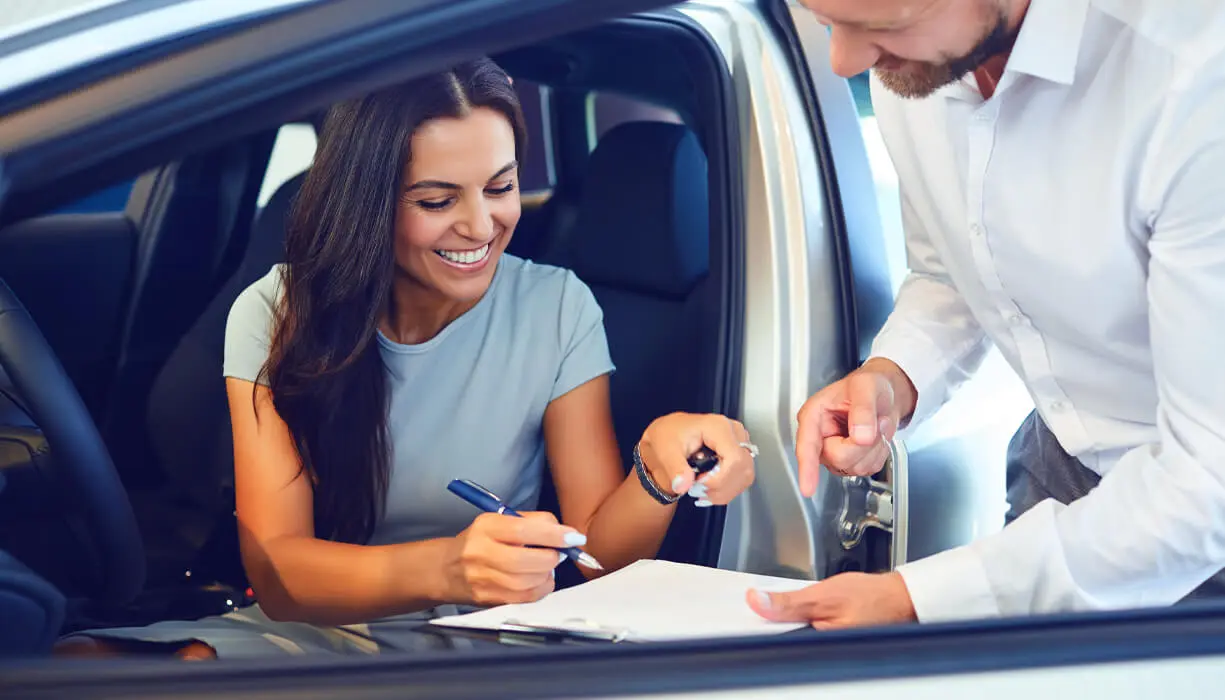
x,y
71,34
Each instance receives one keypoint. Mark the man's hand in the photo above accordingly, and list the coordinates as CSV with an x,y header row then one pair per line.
x,y
845,600
841,426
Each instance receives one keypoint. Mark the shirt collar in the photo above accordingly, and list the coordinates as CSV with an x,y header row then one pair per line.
x,y
1050,39
1047,47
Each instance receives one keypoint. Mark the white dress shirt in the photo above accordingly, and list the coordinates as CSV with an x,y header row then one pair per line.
x,y
1077,221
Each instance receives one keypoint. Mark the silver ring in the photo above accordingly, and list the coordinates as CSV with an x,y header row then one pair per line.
x,y
751,448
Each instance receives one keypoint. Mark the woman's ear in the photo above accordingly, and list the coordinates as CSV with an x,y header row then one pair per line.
x,y
510,80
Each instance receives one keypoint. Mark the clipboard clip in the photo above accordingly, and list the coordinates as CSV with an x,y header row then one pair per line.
x,y
582,629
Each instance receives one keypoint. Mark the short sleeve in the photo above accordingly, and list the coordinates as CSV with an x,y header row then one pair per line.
x,y
248,329
584,345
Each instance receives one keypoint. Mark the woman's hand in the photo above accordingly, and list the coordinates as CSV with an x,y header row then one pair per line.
x,y
491,563
668,442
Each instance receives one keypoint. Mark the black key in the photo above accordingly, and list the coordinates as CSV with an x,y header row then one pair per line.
x,y
703,460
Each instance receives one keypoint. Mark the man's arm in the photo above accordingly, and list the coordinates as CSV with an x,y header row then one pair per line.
x,y
931,334
1154,528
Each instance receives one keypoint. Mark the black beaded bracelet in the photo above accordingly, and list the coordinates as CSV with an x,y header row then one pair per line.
x,y
648,484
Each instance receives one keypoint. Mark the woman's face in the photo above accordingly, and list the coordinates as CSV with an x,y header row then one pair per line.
x,y
460,203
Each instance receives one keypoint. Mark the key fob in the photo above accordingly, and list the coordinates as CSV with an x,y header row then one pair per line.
x,y
703,460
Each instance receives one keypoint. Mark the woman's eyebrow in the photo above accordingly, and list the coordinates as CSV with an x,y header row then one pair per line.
x,y
505,169
432,185
441,185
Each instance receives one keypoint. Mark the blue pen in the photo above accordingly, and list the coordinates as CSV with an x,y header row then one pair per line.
x,y
480,497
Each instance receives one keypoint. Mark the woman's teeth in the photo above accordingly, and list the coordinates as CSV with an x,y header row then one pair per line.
x,y
465,257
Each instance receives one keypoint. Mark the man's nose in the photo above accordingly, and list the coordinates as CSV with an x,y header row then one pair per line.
x,y
850,55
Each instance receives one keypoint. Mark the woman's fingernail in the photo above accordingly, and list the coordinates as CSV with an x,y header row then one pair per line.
x,y
861,433
677,483
703,503
709,474
763,599
575,539
698,490
561,556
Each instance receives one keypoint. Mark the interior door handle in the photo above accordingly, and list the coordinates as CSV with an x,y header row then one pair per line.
x,y
877,502
865,503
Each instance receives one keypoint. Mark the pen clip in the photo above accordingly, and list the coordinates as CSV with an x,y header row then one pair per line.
x,y
477,487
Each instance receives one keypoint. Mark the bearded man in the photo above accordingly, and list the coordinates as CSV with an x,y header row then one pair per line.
x,y
1062,174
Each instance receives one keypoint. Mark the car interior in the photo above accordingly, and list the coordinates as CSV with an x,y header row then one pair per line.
x,y
629,182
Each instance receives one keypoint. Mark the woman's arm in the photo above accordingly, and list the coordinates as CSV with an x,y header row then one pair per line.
x,y
622,521
297,576
302,578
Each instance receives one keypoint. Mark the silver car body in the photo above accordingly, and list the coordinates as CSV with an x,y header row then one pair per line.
x,y
944,483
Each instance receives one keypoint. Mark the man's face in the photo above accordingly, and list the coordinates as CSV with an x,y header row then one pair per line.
x,y
915,46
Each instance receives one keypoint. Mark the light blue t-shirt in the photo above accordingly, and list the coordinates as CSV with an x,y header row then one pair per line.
x,y
468,403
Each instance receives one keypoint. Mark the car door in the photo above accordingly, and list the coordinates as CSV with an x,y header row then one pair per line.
x,y
947,485
807,212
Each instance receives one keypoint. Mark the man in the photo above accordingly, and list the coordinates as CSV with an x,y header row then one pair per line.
x,y
1062,172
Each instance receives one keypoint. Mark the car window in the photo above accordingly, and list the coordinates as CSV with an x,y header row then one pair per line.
x,y
537,172
110,199
292,153
608,109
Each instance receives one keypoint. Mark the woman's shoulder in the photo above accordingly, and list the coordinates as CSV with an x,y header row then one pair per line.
x,y
260,298
248,329
548,300
538,285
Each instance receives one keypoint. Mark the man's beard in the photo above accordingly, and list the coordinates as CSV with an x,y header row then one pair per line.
x,y
918,79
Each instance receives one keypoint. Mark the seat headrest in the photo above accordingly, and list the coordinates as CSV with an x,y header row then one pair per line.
x,y
267,245
644,220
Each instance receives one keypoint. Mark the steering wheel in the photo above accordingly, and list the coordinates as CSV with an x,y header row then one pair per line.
x,y
83,472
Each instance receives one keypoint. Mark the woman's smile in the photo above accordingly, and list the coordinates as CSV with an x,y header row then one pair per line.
x,y
470,260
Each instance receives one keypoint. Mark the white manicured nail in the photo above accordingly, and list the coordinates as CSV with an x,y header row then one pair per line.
x,y
763,599
698,490
703,503
676,483
575,539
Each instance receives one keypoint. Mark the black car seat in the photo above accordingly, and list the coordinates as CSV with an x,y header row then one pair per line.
x,y
641,242
188,414
192,217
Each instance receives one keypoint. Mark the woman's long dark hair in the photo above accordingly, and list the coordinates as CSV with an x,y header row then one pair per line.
x,y
324,369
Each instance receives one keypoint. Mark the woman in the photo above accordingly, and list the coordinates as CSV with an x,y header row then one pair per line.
x,y
399,348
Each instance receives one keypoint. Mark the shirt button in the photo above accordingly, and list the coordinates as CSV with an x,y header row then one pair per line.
x,y
976,230
1016,319
1058,406
983,117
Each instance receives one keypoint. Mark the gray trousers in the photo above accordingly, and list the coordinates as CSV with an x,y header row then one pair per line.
x,y
1039,469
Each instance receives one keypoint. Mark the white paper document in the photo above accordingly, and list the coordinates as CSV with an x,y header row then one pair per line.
x,y
649,600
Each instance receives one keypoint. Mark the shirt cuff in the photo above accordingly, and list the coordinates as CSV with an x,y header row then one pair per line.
x,y
951,585
924,363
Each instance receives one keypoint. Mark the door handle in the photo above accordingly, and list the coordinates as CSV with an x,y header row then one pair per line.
x,y
877,502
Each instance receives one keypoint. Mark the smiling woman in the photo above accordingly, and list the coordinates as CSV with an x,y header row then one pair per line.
x,y
399,347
